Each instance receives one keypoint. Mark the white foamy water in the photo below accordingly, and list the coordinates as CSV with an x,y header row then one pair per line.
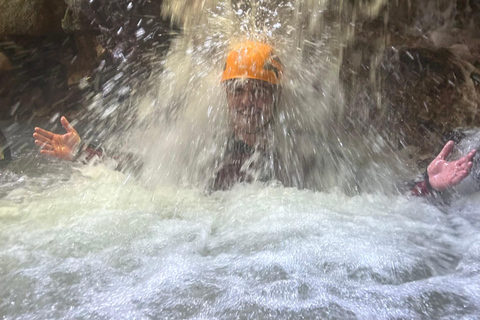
x,y
81,242
92,243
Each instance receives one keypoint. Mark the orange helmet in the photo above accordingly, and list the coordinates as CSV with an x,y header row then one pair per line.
x,y
253,60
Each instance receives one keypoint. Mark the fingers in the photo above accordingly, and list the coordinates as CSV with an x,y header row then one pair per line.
x,y
66,124
461,165
41,138
466,159
461,172
446,150
459,176
44,133
44,146
464,163
469,166
42,142
470,155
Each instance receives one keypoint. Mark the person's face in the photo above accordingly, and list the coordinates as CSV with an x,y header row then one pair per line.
x,y
250,104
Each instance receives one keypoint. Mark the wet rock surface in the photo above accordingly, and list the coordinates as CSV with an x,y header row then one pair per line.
x,y
4,62
48,69
428,93
31,17
415,69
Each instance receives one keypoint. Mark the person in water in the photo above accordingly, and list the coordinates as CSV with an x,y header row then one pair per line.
x,y
252,80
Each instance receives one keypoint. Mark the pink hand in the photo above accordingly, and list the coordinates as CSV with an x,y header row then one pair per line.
x,y
56,145
443,175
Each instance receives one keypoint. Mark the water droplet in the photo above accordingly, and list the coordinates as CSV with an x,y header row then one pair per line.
x,y
54,117
140,32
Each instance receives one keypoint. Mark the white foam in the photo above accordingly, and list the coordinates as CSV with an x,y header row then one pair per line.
x,y
102,245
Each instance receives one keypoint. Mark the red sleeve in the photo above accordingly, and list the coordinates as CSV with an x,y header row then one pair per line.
x,y
87,152
422,189
90,152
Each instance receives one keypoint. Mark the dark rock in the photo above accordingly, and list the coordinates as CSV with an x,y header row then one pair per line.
x,y
47,70
37,79
413,68
428,92
31,17
4,62
423,93
88,56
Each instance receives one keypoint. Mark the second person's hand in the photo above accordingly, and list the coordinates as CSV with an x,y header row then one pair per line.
x,y
443,175
58,146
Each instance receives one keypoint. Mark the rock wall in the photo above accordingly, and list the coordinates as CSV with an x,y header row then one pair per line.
x,y
54,53
31,17
415,68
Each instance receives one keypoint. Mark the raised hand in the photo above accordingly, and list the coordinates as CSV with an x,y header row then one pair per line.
x,y
55,145
443,175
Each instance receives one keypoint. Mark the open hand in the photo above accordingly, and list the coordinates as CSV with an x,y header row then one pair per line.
x,y
55,145
443,175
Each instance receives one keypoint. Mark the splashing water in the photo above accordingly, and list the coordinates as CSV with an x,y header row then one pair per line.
x,y
88,242
91,243
181,120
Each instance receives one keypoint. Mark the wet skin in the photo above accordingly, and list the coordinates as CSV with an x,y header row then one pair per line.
x,y
251,105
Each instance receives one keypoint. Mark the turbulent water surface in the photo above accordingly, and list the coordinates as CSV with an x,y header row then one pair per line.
x,y
87,242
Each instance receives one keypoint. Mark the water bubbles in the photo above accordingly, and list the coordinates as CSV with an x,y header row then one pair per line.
x,y
118,76
83,84
109,111
108,86
124,91
96,102
118,52
101,65
54,118
14,108
149,37
186,86
140,33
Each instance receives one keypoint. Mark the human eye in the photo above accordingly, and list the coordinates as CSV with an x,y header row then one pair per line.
x,y
238,91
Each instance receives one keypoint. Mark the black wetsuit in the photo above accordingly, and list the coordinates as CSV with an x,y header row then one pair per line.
x,y
234,167
242,163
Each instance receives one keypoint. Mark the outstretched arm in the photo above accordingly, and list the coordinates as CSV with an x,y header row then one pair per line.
x,y
443,175
68,147
58,146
